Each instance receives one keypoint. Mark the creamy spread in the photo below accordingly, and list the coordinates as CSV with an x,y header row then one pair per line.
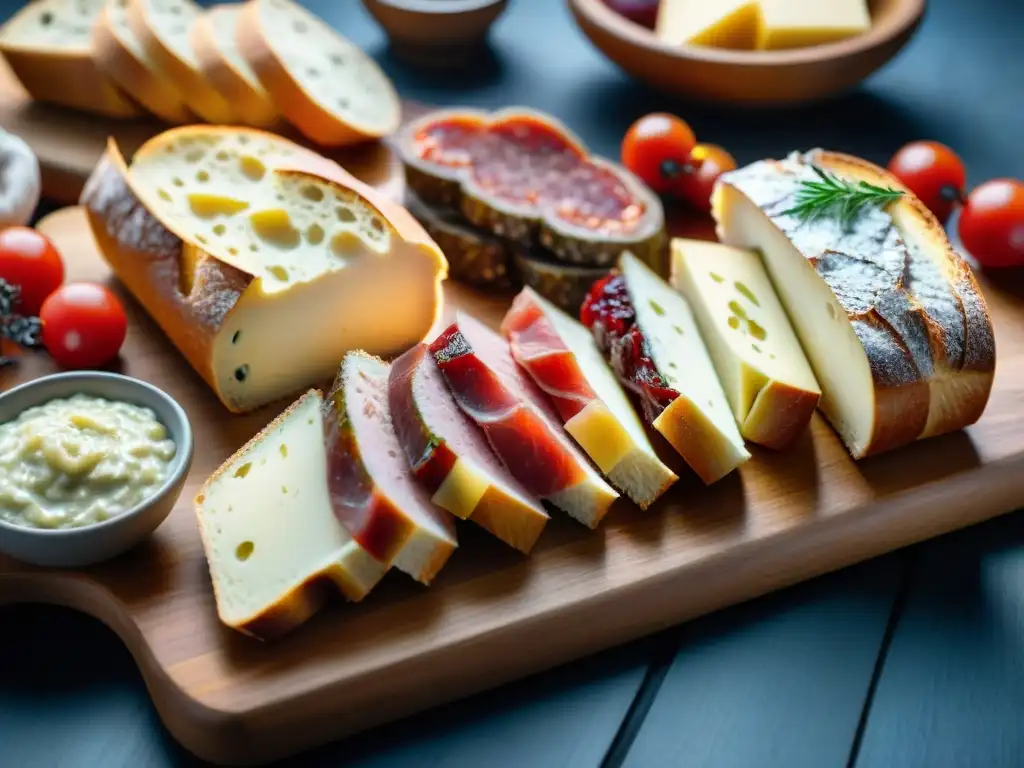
x,y
79,461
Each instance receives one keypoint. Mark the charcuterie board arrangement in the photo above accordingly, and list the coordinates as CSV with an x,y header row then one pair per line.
x,y
488,408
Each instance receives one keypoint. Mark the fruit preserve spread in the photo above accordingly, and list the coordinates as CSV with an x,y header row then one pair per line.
x,y
608,313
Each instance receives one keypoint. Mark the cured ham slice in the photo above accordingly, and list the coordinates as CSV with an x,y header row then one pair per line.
x,y
372,491
518,420
564,361
450,457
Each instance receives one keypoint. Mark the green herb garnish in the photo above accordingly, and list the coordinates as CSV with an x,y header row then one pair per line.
x,y
844,199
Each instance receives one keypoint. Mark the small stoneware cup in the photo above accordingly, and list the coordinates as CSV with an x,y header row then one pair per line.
x,y
79,547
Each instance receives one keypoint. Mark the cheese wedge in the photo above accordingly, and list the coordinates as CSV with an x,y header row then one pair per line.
x,y
263,278
758,358
120,55
802,23
269,530
716,23
449,455
699,423
372,489
561,356
213,38
890,317
162,27
47,45
320,82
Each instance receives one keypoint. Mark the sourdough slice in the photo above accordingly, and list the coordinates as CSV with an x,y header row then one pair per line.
x,y
561,356
449,455
120,55
162,27
518,420
767,379
889,316
261,324
213,38
322,83
47,45
524,176
269,531
372,489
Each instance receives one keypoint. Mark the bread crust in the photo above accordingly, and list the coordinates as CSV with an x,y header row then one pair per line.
x,y
253,104
147,86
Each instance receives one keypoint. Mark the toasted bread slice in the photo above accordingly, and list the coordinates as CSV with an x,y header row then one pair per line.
x,y
213,39
320,82
48,46
269,530
162,28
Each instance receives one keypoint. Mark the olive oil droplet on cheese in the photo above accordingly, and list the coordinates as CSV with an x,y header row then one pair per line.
x,y
749,294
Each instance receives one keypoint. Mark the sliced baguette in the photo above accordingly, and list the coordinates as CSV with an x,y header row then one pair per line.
x,y
319,81
890,317
519,421
561,356
213,39
261,325
120,55
766,376
449,455
48,46
269,530
162,28
374,494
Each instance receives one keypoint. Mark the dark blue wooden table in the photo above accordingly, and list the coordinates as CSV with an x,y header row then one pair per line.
x,y
914,659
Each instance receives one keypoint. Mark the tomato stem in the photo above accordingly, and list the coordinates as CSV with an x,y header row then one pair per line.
x,y
952,194
673,169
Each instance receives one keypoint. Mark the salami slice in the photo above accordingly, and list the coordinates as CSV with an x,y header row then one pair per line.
x,y
523,176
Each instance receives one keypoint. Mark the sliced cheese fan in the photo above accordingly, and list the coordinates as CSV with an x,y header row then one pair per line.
x,y
269,529
264,278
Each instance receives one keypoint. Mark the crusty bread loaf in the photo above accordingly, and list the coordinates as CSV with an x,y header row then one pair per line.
x,y
213,39
888,313
262,295
162,27
319,81
120,56
48,46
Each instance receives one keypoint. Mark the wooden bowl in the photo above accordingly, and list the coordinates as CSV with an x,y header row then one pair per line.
x,y
755,78
436,33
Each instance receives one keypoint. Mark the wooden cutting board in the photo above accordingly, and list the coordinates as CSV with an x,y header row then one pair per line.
x,y
492,615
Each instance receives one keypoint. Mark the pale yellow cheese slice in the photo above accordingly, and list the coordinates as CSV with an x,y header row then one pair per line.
x,y
716,23
763,370
801,23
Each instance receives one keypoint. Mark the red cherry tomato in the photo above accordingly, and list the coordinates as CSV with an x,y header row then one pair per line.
x,y
708,162
83,325
29,260
991,224
642,12
656,148
933,172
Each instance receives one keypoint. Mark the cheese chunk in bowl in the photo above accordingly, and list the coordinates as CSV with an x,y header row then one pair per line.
x,y
90,463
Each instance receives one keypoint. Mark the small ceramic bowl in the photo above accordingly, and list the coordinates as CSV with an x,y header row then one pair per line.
x,y
78,547
750,78
436,33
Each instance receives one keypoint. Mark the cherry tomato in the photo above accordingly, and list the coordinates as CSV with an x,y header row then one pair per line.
x,y
642,12
84,325
991,224
934,173
708,162
29,260
656,148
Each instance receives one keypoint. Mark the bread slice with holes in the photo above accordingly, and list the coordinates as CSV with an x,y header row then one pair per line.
x,y
48,46
319,81
162,27
213,38
263,262
269,532
120,55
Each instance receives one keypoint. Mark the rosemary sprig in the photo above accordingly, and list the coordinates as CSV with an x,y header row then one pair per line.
x,y
845,199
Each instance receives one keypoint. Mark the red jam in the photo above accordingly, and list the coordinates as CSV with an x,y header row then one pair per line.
x,y
608,313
